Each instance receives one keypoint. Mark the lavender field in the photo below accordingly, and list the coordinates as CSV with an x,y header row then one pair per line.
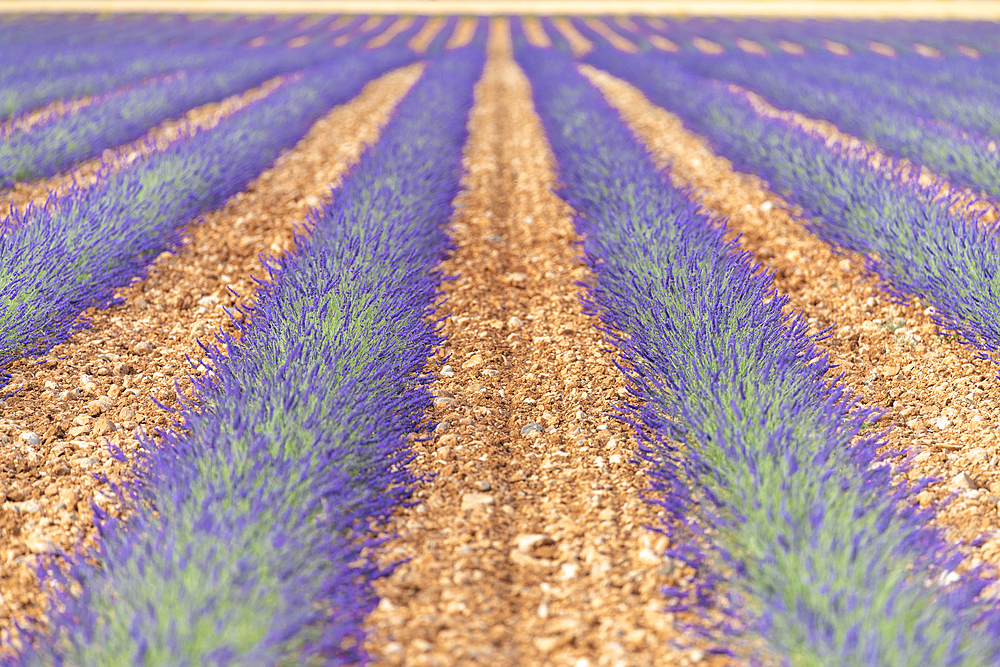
x,y
555,340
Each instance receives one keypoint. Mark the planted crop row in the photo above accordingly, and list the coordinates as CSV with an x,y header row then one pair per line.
x,y
248,543
753,446
34,73
926,86
906,74
59,259
924,124
914,241
127,115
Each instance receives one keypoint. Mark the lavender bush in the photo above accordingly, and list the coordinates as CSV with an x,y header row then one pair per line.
x,y
127,115
248,542
914,240
753,445
936,114
58,58
59,259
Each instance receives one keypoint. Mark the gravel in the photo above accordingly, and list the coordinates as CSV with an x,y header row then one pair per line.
x,y
531,427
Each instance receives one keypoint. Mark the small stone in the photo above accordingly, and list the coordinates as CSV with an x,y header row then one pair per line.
x,y
615,458
443,402
569,571
83,429
31,438
95,408
516,278
941,423
474,501
86,463
143,348
531,427
30,506
527,542
546,644
447,372
949,577
15,495
963,481
526,560
767,206
484,485
648,557
52,385
126,414
445,454
114,392
515,323
103,426
208,301
69,496
39,544
124,368
891,371
473,361
51,490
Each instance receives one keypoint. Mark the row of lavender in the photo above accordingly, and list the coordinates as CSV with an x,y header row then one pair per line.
x,y
918,243
248,544
938,112
57,59
70,254
756,451
127,114
941,113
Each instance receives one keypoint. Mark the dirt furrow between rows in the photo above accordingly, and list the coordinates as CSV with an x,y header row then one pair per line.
x,y
939,398
100,383
529,545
